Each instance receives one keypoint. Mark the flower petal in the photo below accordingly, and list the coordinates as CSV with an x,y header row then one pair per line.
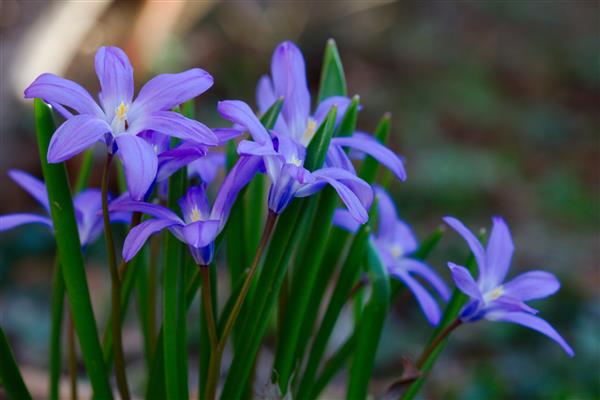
x,y
427,303
376,150
154,210
240,113
337,158
532,285
201,233
174,124
171,161
289,81
75,135
140,164
472,241
32,185
427,273
115,74
57,90
167,91
343,219
323,108
138,235
88,205
464,281
535,323
498,253
387,216
238,177
207,167
10,221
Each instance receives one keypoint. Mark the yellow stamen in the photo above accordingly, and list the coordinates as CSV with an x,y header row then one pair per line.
x,y
121,111
196,216
396,250
296,161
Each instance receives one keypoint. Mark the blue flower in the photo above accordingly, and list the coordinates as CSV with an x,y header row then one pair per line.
x,y
119,119
283,150
87,206
395,241
493,299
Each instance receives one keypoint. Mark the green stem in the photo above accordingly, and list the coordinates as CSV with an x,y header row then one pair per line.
x,y
72,357
152,289
115,286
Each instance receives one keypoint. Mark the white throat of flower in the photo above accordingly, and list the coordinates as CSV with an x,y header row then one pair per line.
x,y
396,251
493,294
119,123
295,160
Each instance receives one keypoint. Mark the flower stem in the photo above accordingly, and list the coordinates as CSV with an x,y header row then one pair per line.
x,y
213,369
72,357
435,342
115,287
215,357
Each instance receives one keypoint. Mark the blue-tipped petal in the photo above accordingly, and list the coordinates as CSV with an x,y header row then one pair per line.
x,y
240,113
464,281
532,285
472,241
498,253
115,74
32,185
138,235
174,124
11,221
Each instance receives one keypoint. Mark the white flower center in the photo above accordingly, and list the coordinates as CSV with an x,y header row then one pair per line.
x,y
195,216
494,294
119,123
295,160
396,251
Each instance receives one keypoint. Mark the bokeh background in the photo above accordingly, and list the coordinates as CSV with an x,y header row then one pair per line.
x,y
495,107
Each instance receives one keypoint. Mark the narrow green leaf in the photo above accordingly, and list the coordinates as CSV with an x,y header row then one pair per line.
x,y
71,259
333,80
171,276
370,326
348,275
205,350
10,376
258,308
142,296
369,167
332,367
85,170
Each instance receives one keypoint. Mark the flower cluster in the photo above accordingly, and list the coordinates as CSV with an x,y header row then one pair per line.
x,y
158,146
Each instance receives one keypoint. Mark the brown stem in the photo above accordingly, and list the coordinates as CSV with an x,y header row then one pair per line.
x,y
215,360
438,339
215,356
115,287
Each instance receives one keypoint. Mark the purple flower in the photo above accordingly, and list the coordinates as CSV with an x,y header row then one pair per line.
x,y
87,205
395,241
200,224
490,297
284,149
119,118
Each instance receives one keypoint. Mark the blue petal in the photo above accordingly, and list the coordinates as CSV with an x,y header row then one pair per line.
x,y
56,90
13,220
473,242
532,285
138,235
174,124
427,303
75,135
167,91
498,253
289,81
343,219
154,210
201,233
240,113
140,164
115,74
265,94
376,150
31,185
535,323
427,273
464,281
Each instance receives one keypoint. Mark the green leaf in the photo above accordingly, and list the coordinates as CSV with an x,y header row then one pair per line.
x,y
71,258
10,376
335,363
369,167
257,309
333,81
347,277
85,170
291,343
370,326
171,275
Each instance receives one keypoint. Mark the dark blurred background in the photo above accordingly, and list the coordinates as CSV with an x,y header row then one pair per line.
x,y
495,107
